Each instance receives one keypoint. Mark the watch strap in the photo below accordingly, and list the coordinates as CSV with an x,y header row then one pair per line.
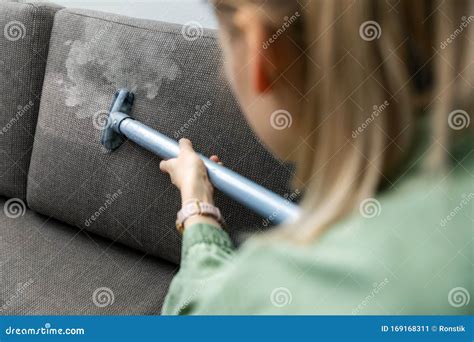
x,y
195,207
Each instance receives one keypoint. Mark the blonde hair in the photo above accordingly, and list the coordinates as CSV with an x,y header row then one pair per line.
x,y
373,68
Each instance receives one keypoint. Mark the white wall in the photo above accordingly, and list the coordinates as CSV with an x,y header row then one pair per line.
x,y
175,11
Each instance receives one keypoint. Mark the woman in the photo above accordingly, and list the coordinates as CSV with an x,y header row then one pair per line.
x,y
380,95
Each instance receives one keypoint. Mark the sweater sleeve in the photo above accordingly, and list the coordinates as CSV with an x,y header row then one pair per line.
x,y
206,251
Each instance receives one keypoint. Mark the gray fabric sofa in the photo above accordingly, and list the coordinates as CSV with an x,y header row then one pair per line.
x,y
84,231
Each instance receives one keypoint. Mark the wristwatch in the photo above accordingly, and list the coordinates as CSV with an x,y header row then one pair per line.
x,y
195,207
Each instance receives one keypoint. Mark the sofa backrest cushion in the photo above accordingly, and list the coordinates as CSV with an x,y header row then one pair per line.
x,y
177,78
24,39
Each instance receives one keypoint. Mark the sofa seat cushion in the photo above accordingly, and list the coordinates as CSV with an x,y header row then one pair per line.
x,y
180,90
25,31
49,268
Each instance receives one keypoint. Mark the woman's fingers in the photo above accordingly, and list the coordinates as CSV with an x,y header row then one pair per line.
x,y
186,145
216,159
166,165
170,167
188,173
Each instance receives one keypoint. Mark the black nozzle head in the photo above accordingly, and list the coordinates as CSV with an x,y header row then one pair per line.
x,y
121,108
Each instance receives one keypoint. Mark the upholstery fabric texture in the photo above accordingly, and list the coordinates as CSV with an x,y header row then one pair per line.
x,y
24,41
180,90
49,268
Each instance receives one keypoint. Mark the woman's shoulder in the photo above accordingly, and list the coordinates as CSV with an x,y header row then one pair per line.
x,y
402,254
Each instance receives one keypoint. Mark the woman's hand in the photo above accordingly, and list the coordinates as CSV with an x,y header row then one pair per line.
x,y
189,174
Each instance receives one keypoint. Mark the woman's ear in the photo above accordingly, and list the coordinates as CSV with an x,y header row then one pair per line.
x,y
262,64
259,59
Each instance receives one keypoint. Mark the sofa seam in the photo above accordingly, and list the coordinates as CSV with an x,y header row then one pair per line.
x,y
68,11
42,5
35,42
36,9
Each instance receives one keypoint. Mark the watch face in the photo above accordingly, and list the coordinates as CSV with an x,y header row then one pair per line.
x,y
191,209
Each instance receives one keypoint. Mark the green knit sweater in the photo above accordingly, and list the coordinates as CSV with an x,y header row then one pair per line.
x,y
412,255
